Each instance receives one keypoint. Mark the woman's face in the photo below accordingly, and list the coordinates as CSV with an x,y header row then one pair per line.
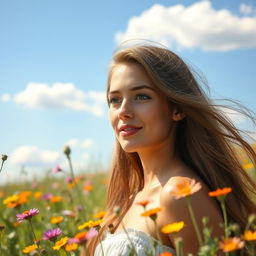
x,y
141,118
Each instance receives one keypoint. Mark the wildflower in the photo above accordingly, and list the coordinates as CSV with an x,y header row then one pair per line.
x,y
152,213
27,214
38,195
231,244
185,187
173,227
100,215
96,223
56,199
11,199
165,254
67,150
91,233
81,236
248,166
88,187
4,157
220,193
52,234
249,235
60,243
143,203
69,213
30,248
86,224
71,247
47,197
56,220
57,169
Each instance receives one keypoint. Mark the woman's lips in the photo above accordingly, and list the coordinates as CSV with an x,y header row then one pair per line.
x,y
128,130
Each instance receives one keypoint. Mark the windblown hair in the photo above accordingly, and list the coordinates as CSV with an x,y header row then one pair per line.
x,y
205,139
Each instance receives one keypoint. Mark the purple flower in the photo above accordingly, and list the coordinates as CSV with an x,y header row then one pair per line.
x,y
27,214
68,179
51,234
57,169
72,240
47,197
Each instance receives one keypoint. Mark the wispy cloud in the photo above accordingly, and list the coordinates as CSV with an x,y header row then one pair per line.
x,y
75,143
246,9
59,96
195,26
34,156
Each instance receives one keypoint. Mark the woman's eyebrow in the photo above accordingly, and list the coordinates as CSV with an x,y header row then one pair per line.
x,y
135,88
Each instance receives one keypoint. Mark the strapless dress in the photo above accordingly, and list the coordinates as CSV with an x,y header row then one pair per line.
x,y
122,243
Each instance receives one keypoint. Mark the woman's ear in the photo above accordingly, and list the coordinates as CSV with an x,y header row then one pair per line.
x,y
178,115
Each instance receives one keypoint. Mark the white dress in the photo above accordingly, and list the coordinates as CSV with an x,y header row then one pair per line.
x,y
120,244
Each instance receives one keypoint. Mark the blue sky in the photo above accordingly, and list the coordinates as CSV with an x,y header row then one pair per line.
x,y
54,58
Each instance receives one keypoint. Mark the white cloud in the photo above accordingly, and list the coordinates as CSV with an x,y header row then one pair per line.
x,y
33,156
5,97
198,25
246,9
86,143
59,96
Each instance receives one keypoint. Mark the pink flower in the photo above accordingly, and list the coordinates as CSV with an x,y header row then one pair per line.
x,y
57,169
47,197
51,234
91,233
27,214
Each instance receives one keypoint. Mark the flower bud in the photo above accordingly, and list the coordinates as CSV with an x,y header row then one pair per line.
x,y
67,150
4,157
117,210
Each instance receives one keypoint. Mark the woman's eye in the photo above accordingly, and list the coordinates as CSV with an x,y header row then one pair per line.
x,y
142,97
114,100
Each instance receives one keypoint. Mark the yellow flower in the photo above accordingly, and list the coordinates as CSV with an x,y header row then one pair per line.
x,y
100,215
30,248
173,227
60,243
56,220
185,187
11,199
96,223
231,244
249,235
71,247
87,224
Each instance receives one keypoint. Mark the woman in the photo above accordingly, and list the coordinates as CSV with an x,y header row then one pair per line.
x,y
167,130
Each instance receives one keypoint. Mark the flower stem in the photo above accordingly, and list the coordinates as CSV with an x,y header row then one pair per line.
x,y
129,238
222,203
76,187
1,166
34,236
192,215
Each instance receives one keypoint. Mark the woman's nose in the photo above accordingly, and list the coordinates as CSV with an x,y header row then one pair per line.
x,y
125,110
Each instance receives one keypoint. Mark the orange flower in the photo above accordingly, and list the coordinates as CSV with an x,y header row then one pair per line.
x,y
56,199
30,248
231,244
38,195
71,247
152,213
248,166
249,235
173,227
80,235
100,215
56,220
165,254
143,203
220,192
185,187
88,187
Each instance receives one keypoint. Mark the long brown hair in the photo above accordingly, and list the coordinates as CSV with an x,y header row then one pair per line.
x,y
204,140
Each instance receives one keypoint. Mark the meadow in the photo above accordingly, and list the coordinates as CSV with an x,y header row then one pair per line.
x,y
58,214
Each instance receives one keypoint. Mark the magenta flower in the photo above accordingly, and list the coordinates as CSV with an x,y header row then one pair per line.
x,y
57,169
27,214
47,197
51,234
